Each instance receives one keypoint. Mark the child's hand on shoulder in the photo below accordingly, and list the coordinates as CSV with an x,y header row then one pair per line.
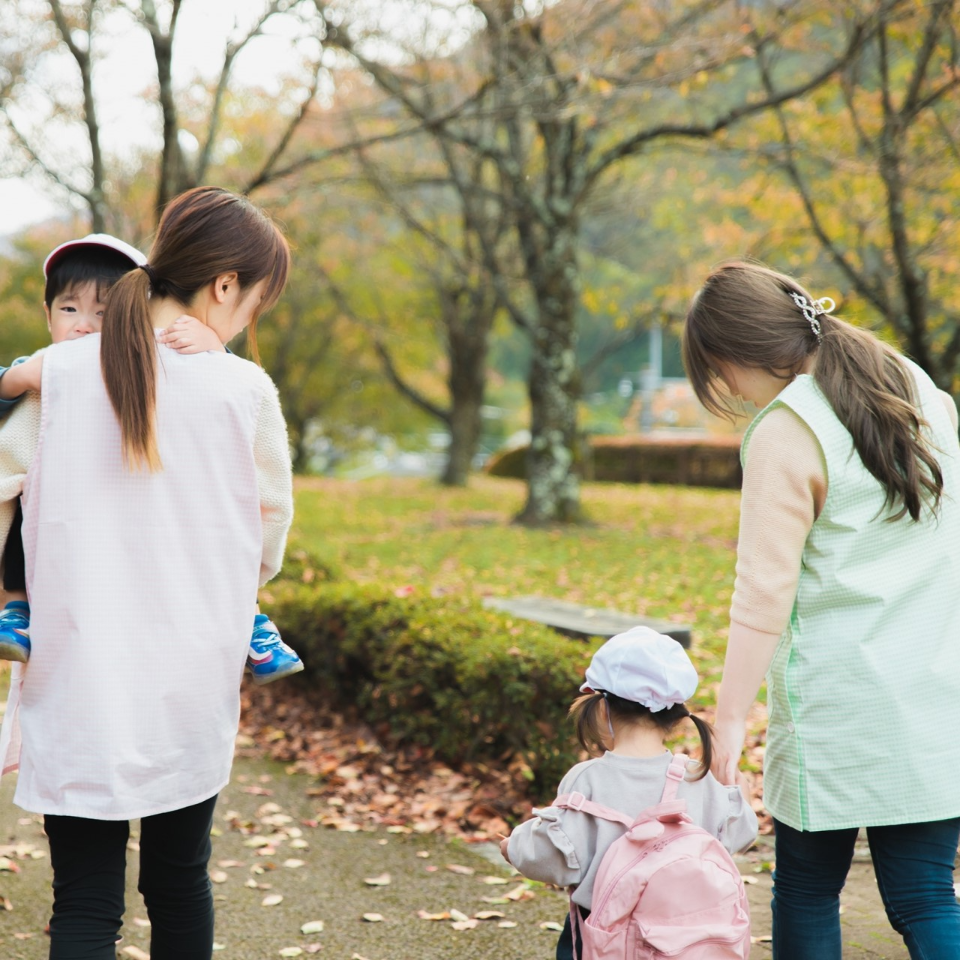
x,y
190,335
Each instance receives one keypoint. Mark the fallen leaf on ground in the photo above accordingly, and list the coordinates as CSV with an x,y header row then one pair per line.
x,y
507,924
425,915
766,938
552,925
140,922
312,926
8,865
230,863
521,892
459,868
380,881
488,915
291,952
218,876
271,900
423,853
465,924
493,881
458,916
134,953
373,917
293,864
257,841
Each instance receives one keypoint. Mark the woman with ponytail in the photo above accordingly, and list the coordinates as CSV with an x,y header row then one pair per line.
x,y
156,499
633,700
847,599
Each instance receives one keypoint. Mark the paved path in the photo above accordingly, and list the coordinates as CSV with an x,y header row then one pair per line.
x,y
330,886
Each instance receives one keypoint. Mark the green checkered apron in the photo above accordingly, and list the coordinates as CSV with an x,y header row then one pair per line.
x,y
864,687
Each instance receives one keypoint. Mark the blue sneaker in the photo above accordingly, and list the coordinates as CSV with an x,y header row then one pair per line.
x,y
15,631
269,658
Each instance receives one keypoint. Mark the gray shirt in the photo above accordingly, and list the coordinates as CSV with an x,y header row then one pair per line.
x,y
565,847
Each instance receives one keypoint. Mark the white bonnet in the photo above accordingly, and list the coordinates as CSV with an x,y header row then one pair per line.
x,y
644,666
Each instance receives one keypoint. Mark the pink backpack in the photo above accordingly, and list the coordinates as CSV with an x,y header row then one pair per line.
x,y
666,888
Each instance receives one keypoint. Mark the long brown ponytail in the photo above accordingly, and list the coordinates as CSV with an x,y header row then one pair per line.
x,y
203,233
744,315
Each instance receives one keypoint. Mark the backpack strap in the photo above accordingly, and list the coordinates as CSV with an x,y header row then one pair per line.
x,y
577,801
676,773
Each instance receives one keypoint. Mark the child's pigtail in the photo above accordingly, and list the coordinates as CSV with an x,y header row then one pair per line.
x,y
584,712
706,745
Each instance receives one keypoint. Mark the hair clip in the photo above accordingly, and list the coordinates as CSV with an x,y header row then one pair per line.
x,y
812,310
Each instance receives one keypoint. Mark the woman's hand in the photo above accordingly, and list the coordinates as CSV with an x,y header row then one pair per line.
x,y
728,740
190,335
504,846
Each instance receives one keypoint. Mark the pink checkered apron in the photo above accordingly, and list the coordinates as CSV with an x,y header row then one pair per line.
x,y
142,589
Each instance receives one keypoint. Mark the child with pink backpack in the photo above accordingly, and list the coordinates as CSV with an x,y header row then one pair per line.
x,y
641,837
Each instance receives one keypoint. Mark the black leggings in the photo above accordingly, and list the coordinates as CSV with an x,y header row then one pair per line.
x,y
89,861
14,578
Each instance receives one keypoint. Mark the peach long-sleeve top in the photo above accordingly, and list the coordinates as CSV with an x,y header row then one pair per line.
x,y
784,489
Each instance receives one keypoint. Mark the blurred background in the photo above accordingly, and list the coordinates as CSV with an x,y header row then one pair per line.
x,y
499,210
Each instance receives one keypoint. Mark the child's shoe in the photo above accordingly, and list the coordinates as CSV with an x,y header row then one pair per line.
x,y
15,631
269,657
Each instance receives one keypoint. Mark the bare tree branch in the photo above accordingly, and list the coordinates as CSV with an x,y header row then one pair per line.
x,y
171,177
872,292
267,172
233,49
931,35
95,197
775,98
46,168
386,358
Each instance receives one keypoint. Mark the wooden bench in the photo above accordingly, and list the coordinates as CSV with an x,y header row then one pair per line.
x,y
579,621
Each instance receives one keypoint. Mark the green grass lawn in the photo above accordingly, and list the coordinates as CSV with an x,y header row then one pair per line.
x,y
667,552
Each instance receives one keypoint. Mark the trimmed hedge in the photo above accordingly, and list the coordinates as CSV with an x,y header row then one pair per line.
x,y
701,462
467,683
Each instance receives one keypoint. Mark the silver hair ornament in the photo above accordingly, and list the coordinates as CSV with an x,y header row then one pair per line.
x,y
812,310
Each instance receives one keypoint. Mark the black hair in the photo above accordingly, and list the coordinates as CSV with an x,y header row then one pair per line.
x,y
85,263
591,733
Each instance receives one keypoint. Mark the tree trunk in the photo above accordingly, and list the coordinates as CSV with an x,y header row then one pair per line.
x,y
468,342
553,488
465,426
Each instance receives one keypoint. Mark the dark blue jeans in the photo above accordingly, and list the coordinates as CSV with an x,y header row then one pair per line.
x,y
89,863
914,867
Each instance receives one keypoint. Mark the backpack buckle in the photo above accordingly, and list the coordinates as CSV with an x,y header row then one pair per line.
x,y
576,801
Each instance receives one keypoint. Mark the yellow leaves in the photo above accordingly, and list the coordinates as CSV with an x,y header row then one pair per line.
x,y
381,880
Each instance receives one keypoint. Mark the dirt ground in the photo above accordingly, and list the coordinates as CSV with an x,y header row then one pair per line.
x,y
323,873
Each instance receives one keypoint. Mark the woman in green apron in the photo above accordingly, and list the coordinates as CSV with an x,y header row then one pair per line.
x,y
847,599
